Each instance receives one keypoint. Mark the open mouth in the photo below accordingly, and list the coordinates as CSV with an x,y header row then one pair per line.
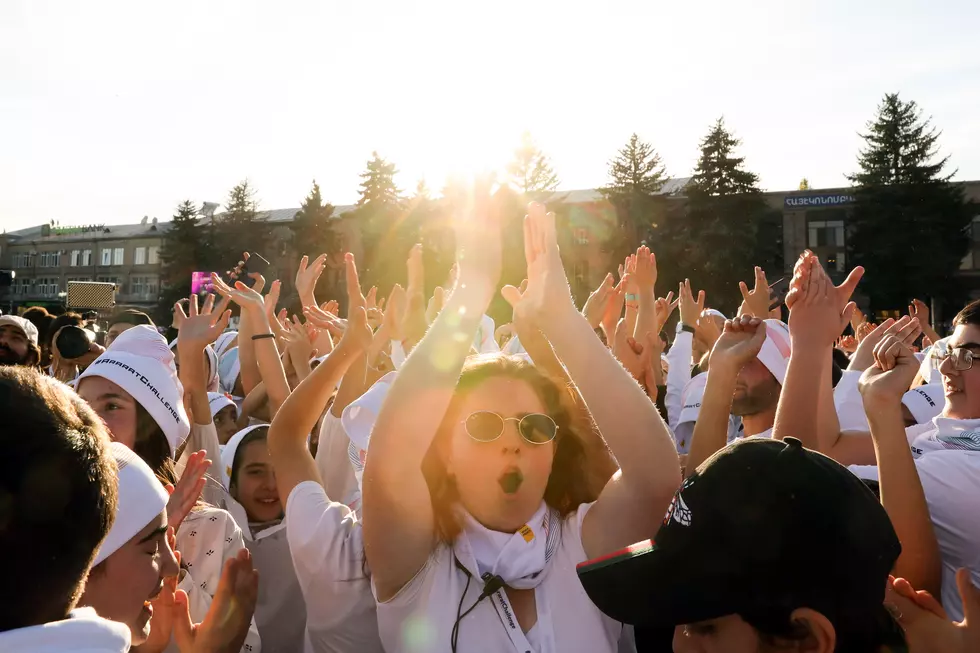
x,y
268,502
511,481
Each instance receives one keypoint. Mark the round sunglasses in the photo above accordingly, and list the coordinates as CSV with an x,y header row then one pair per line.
x,y
487,426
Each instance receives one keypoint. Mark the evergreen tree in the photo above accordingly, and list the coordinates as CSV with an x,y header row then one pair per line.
x,y
386,235
313,235
636,177
530,170
180,256
909,227
720,234
239,228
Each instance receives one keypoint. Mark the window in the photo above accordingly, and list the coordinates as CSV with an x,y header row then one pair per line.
x,y
145,287
70,279
139,256
47,287
110,280
835,261
582,236
107,257
75,255
50,260
826,233
22,260
154,256
117,256
21,287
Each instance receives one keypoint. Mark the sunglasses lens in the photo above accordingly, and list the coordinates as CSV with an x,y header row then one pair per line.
x,y
484,426
538,429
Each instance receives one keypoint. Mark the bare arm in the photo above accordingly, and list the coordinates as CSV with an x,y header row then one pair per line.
x,y
646,279
631,505
398,520
882,387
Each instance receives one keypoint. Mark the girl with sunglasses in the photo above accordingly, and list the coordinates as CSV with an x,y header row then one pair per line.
x,y
476,504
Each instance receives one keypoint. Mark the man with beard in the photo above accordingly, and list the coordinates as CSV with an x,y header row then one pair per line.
x,y
18,342
748,366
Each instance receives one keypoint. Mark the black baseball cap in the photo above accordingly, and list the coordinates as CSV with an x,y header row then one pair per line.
x,y
762,526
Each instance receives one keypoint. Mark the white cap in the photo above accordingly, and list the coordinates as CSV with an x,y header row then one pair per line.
x,y
359,417
229,450
212,358
139,362
23,324
925,402
776,349
141,499
229,368
691,398
224,342
219,400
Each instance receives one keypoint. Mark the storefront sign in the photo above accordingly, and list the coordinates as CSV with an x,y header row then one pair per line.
x,y
804,201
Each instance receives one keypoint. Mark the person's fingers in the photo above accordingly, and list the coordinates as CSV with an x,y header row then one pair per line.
x,y
511,294
760,279
846,289
845,317
897,325
179,310
208,305
183,626
192,306
910,329
222,322
745,290
969,595
701,300
353,283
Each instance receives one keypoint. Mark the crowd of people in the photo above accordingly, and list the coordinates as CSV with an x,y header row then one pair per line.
x,y
412,478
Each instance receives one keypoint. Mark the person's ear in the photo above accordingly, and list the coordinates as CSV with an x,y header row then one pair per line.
x,y
821,635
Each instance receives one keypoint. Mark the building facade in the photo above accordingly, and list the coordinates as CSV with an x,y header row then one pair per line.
x,y
46,258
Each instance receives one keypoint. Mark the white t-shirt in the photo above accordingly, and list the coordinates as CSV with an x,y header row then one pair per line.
x,y
82,632
950,480
327,547
421,615
333,460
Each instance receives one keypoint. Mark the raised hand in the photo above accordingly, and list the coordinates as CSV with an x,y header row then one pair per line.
x,y
548,296
691,308
634,356
756,302
613,309
645,267
895,366
198,330
299,340
395,314
185,494
595,305
926,626
819,310
436,302
665,308
865,329
863,357
226,624
847,344
306,277
248,298
740,341
321,319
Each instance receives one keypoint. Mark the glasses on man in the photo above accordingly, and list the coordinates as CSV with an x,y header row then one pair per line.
x,y
961,358
487,426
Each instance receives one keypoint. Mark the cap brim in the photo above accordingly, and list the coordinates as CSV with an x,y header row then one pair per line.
x,y
651,587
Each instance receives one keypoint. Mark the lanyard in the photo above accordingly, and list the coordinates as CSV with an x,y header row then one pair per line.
x,y
509,620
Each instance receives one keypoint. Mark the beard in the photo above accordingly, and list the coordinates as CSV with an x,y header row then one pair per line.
x,y
10,357
757,399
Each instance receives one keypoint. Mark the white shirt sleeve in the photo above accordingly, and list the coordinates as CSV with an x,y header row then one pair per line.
x,y
951,482
847,401
333,461
678,376
205,436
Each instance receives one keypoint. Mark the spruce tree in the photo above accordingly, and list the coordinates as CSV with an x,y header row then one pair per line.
x,y
180,256
312,235
636,176
910,224
721,221
386,236
239,229
530,171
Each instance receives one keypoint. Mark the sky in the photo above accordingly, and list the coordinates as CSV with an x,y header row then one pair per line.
x,y
110,111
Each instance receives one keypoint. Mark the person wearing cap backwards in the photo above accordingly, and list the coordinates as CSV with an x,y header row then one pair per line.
x,y
52,440
929,475
18,342
766,547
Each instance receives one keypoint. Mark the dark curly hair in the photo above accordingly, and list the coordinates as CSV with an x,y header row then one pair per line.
x,y
569,485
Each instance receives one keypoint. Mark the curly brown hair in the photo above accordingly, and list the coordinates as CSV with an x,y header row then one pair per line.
x,y
570,484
